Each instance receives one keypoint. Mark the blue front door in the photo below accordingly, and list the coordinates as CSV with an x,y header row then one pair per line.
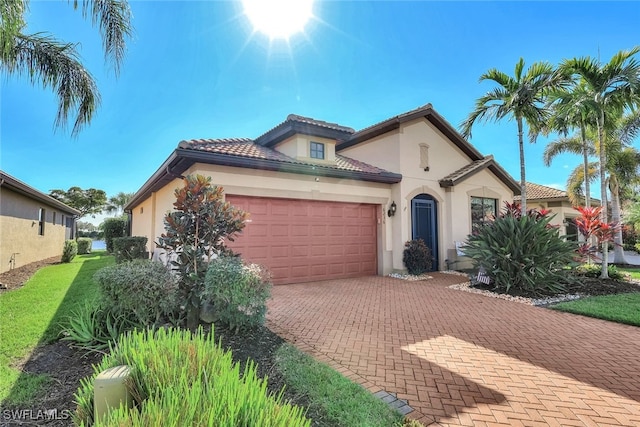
x,y
424,223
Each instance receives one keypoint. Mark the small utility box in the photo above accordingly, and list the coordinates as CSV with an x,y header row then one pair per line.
x,y
109,391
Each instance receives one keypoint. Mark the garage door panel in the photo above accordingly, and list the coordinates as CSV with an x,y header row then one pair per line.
x,y
303,240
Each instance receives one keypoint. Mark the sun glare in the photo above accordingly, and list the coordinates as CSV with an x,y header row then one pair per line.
x,y
278,19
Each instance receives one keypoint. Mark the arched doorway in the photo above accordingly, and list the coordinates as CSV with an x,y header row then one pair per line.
x,y
424,223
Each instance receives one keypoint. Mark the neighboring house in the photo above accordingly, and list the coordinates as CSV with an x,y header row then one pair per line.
x,y
33,225
557,201
327,201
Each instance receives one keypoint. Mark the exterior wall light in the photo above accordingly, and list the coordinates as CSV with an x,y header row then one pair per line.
x,y
392,209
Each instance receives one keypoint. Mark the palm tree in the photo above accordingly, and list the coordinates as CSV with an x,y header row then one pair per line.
x,y
521,97
571,108
622,167
612,86
55,64
116,203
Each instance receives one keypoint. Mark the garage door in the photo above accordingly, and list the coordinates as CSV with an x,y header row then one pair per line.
x,y
303,241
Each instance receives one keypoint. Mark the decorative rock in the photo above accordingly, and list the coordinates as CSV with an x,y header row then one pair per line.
x,y
530,301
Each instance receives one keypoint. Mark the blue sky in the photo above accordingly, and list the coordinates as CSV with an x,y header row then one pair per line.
x,y
195,70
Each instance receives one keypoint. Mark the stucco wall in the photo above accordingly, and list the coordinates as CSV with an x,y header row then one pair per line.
x,y
250,182
19,228
298,147
400,151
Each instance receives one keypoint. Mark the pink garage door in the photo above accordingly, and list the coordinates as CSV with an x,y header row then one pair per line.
x,y
303,241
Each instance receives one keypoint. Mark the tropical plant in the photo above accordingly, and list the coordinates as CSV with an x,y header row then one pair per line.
x,y
593,271
179,378
521,97
237,292
88,202
613,86
115,204
572,107
93,327
522,254
55,64
590,224
196,232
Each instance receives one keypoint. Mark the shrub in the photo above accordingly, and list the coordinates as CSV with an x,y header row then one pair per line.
x,y
84,245
237,292
180,378
114,227
594,270
143,291
129,248
196,231
69,251
417,257
522,255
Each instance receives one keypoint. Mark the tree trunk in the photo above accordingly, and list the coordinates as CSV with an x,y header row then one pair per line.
x,y
603,190
523,181
618,248
585,159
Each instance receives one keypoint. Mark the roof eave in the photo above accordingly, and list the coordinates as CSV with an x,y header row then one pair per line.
x,y
13,184
288,129
427,113
494,167
181,159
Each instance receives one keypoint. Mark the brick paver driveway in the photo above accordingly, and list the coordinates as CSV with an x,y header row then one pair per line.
x,y
465,359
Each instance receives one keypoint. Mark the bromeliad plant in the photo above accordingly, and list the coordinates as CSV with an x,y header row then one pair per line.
x,y
196,232
522,254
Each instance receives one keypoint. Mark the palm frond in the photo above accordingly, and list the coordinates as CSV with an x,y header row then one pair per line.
x,y
576,180
561,146
113,18
53,64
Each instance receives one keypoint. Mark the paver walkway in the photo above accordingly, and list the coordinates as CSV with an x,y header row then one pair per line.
x,y
459,358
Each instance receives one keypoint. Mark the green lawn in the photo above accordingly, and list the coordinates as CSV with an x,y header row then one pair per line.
x,y
341,401
34,315
622,308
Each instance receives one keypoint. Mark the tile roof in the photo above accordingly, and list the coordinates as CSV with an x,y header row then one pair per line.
x,y
467,170
537,191
322,123
244,147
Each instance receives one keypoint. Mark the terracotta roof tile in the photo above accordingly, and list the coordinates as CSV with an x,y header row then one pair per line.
x,y
537,191
322,123
466,170
244,147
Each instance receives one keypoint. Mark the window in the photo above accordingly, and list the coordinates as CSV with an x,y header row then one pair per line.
x,y
483,210
424,157
41,214
53,218
316,150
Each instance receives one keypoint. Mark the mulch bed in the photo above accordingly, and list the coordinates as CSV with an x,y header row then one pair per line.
x,y
66,366
17,277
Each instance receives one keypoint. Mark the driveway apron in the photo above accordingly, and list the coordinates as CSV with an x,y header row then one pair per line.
x,y
463,359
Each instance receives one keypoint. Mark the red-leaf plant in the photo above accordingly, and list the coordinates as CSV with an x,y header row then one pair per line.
x,y
590,225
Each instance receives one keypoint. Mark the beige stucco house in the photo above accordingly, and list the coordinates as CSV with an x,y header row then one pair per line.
x,y
33,225
557,201
327,201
